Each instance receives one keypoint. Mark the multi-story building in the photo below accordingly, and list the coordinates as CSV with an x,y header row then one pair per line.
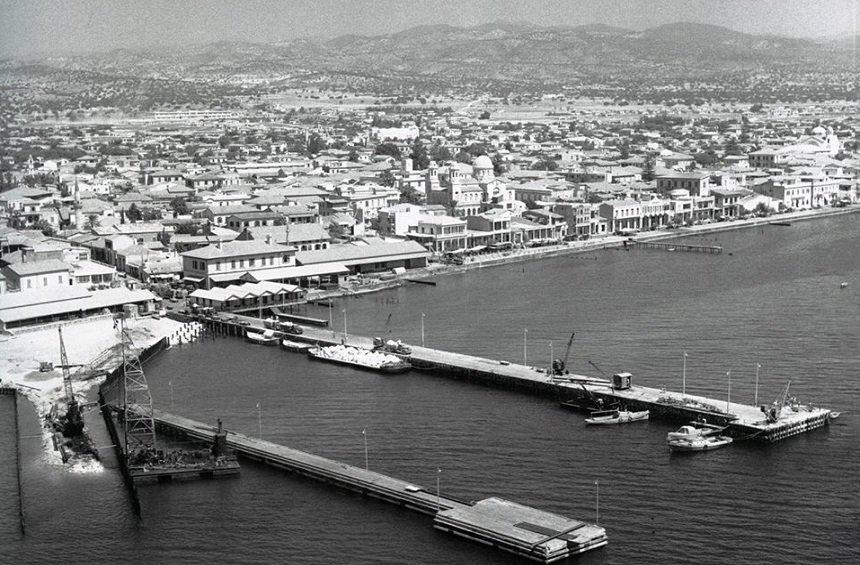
x,y
697,184
440,233
622,215
221,264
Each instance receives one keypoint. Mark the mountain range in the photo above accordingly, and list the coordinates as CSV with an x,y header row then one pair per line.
x,y
508,52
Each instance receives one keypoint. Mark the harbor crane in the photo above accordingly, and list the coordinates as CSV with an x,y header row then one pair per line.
x,y
559,366
74,422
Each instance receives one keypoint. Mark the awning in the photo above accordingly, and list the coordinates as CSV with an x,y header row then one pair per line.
x,y
192,279
477,248
226,277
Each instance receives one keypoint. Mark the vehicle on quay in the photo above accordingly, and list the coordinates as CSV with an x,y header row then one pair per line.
x,y
268,337
391,346
362,358
617,417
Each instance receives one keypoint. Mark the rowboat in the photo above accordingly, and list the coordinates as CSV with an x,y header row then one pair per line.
x,y
267,337
295,346
617,417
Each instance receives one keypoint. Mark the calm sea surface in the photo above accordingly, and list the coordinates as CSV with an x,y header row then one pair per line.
x,y
772,298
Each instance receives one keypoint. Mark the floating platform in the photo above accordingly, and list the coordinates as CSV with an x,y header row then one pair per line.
x,y
743,421
525,531
519,529
169,473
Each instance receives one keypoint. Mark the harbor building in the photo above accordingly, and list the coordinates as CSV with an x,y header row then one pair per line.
x,y
223,263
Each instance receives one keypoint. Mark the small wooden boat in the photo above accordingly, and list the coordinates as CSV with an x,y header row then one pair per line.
x,y
267,337
702,443
843,285
295,346
617,417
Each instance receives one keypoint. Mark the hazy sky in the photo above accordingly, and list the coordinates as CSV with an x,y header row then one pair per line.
x,y
34,26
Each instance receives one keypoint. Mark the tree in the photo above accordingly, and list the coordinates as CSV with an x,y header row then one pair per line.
x,y
386,178
92,222
224,141
463,157
410,196
44,226
189,228
648,169
164,238
133,214
387,149
419,156
545,164
315,144
498,164
485,115
179,206
440,153
353,155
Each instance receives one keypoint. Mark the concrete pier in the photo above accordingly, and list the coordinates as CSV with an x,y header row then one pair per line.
x,y
541,536
743,421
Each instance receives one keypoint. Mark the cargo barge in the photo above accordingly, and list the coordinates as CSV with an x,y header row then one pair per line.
x,y
361,358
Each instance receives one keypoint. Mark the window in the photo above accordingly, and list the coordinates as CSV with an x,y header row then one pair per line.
x,y
286,258
233,264
251,262
218,265
241,263
29,283
60,279
44,281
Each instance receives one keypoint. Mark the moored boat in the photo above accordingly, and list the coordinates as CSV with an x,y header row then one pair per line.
x,y
362,358
617,417
702,443
267,337
295,346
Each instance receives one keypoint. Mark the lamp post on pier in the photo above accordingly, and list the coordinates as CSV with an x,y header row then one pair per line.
x,y
684,377
729,394
330,320
757,367
549,369
525,346
364,433
422,329
438,496
597,502
345,335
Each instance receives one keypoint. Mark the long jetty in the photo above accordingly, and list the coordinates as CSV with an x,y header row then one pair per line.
x,y
742,421
541,536
670,246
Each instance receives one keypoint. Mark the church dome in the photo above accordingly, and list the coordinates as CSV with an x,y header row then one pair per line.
x,y
483,162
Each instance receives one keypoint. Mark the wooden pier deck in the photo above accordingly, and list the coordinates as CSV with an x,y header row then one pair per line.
x,y
743,421
529,532
670,246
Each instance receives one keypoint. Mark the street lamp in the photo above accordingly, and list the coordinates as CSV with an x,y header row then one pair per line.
x,y
422,329
684,377
757,367
364,433
345,335
525,346
438,496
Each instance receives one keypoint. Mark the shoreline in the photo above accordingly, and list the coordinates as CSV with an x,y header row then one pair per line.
x,y
570,248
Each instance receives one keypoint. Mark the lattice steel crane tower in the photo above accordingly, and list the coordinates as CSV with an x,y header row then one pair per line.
x,y
139,424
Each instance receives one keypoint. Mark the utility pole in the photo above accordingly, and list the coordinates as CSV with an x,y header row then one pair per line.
x,y
438,496
345,335
364,433
422,329
597,502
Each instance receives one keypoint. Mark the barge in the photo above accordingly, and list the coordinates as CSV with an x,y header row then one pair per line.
x,y
361,358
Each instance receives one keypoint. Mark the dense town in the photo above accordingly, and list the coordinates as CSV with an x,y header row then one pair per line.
x,y
193,202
